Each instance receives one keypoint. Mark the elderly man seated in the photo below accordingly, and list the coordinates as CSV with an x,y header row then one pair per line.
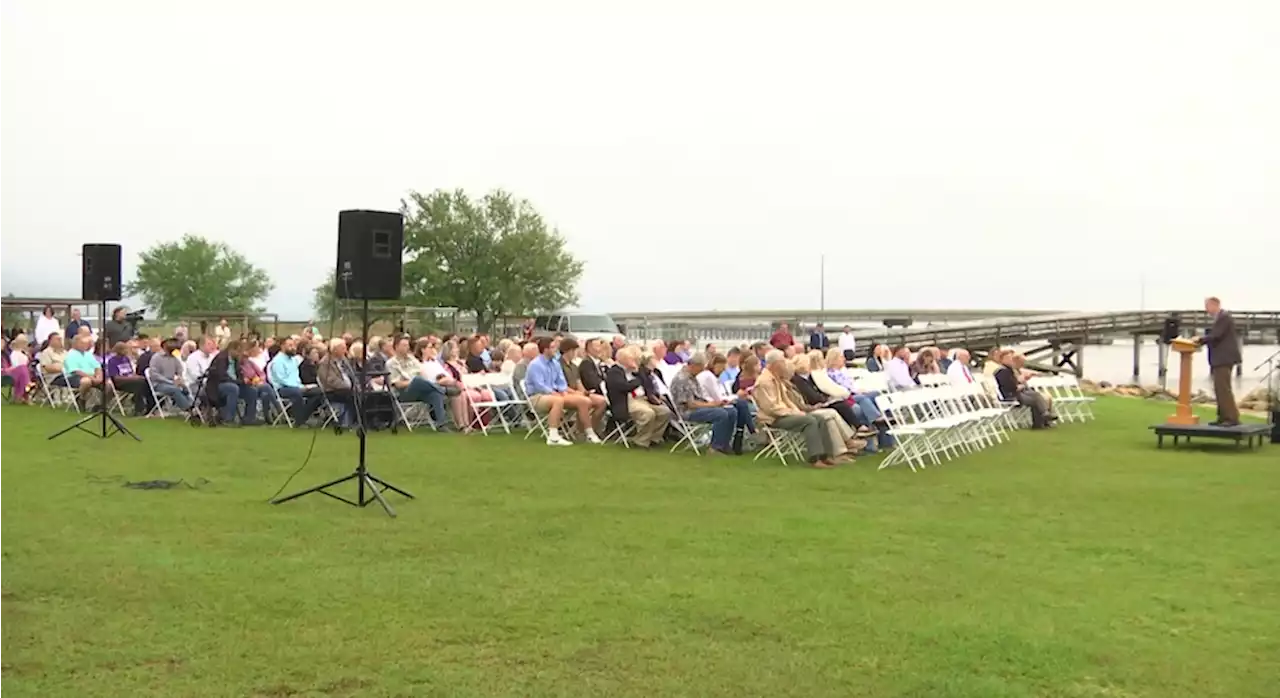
x,y
168,377
84,370
549,394
338,379
1012,389
405,374
780,409
528,353
633,397
697,405
958,371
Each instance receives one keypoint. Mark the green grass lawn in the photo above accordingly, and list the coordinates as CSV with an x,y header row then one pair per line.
x,y
1076,562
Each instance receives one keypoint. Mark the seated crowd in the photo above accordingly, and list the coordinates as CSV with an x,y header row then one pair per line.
x,y
588,391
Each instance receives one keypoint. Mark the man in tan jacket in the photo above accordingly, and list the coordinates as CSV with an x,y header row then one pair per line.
x,y
779,409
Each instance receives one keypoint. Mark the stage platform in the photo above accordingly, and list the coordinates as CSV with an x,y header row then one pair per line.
x,y
1241,434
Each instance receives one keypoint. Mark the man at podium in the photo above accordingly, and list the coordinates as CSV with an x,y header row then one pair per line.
x,y
1224,354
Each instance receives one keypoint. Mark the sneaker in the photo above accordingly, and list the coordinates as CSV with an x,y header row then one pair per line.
x,y
558,441
592,438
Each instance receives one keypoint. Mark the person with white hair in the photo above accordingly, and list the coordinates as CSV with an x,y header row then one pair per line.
x,y
633,398
958,372
780,409
697,405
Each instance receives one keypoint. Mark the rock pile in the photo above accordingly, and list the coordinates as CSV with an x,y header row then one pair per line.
x,y
1255,400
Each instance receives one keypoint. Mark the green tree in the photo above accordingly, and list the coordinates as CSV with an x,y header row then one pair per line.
x,y
195,274
492,256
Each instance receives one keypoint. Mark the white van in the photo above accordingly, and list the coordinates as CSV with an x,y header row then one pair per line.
x,y
580,326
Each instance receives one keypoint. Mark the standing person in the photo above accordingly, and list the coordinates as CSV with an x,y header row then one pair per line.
x,y
116,329
847,344
781,339
222,333
1224,353
73,327
818,338
46,325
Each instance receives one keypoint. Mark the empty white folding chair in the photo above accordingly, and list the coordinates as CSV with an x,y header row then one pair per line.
x,y
509,409
933,380
911,439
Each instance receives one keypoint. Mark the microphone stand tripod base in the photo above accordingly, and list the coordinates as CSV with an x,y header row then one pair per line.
x,y
367,488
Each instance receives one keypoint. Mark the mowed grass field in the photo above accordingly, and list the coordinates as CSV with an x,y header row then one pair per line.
x,y
1076,562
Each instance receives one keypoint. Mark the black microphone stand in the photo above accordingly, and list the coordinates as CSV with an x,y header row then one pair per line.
x,y
367,484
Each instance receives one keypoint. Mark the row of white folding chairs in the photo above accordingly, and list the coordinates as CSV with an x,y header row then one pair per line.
x,y
943,422
1069,401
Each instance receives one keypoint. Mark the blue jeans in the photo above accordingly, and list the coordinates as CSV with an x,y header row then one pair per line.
x,y
422,390
867,403
180,398
303,404
230,394
746,416
723,421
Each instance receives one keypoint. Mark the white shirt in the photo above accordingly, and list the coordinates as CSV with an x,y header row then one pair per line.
x,y
709,385
224,332
847,342
959,374
900,375
197,365
432,370
45,326
18,358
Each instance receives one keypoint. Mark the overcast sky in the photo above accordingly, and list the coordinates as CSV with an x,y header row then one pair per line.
x,y
695,155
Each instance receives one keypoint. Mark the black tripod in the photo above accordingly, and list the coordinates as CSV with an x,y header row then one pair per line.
x,y
108,424
367,484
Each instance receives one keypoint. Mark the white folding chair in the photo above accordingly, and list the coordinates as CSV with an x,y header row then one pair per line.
x,y
504,408
690,432
54,394
540,424
912,439
933,380
160,403
412,414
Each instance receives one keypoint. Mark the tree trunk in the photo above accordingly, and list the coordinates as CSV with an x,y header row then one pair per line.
x,y
482,322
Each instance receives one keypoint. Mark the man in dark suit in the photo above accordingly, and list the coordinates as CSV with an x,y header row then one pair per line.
x,y
818,338
1224,354
591,370
633,397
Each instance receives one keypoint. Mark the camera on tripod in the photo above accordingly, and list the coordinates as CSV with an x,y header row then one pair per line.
x,y
132,319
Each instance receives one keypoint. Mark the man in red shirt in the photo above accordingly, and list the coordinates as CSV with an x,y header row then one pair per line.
x,y
782,338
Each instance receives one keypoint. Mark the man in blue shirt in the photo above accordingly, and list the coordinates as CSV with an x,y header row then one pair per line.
x,y
84,371
282,372
549,394
73,327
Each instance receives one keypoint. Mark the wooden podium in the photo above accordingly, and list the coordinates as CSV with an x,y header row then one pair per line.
x,y
1183,416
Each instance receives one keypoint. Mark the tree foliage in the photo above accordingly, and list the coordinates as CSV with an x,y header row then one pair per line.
x,y
491,256
195,274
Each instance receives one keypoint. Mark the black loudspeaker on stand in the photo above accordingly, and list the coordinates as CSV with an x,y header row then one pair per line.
x,y
100,281
370,249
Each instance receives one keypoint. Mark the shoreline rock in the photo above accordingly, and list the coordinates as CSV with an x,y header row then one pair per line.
x,y
1254,401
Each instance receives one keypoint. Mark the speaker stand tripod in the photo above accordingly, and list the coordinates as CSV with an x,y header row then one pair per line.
x,y
367,484
109,425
